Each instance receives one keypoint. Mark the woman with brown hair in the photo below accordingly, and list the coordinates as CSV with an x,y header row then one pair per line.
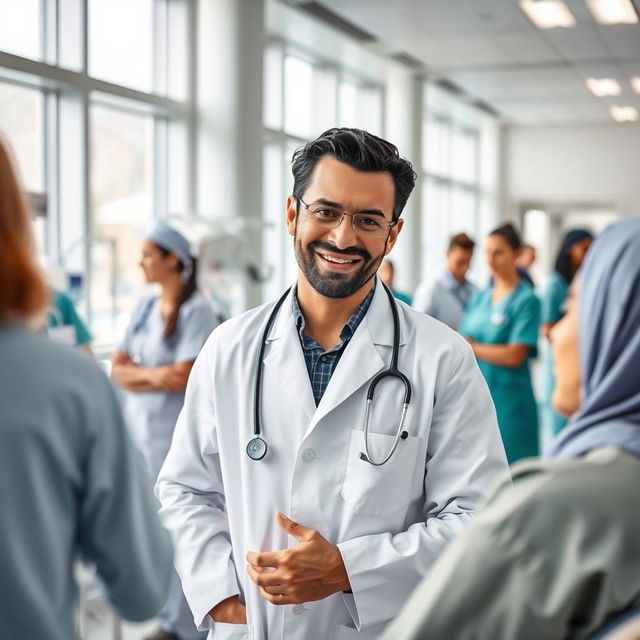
x,y
70,483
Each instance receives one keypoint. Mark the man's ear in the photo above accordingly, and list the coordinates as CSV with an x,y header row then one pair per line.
x,y
393,236
292,215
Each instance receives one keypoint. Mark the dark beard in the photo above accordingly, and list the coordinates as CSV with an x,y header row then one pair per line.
x,y
336,285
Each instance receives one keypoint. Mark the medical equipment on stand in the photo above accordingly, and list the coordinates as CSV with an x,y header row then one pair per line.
x,y
257,446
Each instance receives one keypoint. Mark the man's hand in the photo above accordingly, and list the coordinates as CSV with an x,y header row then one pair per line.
x,y
231,611
311,571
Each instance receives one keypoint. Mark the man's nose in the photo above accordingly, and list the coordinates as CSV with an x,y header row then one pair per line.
x,y
344,236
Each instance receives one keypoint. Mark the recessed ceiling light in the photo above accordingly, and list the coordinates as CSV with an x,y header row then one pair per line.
x,y
623,114
547,14
635,84
613,11
601,87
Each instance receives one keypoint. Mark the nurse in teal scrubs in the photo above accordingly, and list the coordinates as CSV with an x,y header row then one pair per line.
x,y
501,323
573,250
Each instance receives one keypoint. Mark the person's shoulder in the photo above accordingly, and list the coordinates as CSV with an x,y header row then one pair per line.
x,y
74,369
236,329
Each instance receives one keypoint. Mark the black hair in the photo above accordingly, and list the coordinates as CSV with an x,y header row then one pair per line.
x,y
189,287
362,151
563,264
510,234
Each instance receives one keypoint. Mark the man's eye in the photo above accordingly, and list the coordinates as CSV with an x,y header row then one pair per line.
x,y
368,221
326,213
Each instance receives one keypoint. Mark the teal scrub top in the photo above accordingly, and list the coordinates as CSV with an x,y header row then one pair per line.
x,y
63,314
514,320
403,297
554,301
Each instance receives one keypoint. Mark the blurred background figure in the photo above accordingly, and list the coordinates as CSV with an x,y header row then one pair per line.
x,y
152,364
527,257
501,323
386,273
573,250
557,553
70,479
64,325
448,297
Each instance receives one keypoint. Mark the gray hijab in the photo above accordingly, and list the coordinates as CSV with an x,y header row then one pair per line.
x,y
609,342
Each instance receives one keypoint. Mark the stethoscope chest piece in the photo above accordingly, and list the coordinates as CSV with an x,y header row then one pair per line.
x,y
497,318
256,448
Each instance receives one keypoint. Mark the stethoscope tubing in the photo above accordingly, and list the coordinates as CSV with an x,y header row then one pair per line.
x,y
257,446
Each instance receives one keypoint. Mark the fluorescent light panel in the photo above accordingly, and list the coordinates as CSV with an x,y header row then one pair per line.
x,y
635,84
623,114
547,14
601,87
613,11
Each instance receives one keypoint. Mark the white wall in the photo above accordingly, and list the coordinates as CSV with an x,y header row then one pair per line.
x,y
597,164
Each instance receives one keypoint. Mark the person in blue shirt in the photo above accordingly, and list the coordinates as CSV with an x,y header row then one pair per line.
x,y
501,323
573,250
152,364
64,324
447,298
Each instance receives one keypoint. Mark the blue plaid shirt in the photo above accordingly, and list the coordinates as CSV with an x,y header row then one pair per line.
x,y
321,364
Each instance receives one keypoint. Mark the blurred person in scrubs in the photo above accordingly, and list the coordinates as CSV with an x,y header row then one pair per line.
x,y
64,325
387,273
448,297
153,364
501,324
556,553
70,479
573,250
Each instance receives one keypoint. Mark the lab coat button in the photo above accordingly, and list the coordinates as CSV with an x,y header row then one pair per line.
x,y
308,455
298,609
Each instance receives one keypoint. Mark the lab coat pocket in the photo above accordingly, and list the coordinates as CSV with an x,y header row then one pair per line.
x,y
379,491
225,631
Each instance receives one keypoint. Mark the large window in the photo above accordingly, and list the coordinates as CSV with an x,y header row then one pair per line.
x,y
459,150
303,96
107,150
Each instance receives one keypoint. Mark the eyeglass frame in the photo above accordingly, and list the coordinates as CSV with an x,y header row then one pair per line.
x,y
390,225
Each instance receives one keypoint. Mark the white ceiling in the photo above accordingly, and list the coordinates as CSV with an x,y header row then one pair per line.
x,y
490,49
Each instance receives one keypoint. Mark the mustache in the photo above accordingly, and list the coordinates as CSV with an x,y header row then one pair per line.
x,y
349,251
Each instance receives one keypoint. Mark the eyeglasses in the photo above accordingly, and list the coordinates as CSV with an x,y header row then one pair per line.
x,y
371,225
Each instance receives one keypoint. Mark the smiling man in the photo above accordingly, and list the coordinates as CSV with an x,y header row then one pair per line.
x,y
331,444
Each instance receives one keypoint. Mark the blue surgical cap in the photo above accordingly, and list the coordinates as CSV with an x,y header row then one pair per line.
x,y
168,238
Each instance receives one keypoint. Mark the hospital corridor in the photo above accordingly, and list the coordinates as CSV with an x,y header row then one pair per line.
x,y
320,320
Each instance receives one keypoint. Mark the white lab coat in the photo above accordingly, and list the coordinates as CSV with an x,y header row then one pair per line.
x,y
390,522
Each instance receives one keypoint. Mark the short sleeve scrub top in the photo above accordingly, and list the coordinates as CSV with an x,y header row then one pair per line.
x,y
152,415
554,303
514,320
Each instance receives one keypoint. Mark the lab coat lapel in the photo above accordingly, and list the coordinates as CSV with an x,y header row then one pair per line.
x,y
361,359
284,355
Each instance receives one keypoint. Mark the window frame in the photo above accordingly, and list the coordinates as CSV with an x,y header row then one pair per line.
x,y
69,94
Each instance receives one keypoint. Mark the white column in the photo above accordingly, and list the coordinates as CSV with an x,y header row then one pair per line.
x,y
231,38
403,127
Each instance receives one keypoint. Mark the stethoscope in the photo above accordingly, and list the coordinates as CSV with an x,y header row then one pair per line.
x,y
257,446
498,317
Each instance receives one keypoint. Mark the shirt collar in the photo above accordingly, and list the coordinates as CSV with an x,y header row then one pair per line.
x,y
351,325
452,283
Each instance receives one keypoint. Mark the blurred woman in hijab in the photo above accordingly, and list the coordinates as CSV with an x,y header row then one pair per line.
x,y
556,553
573,250
70,479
